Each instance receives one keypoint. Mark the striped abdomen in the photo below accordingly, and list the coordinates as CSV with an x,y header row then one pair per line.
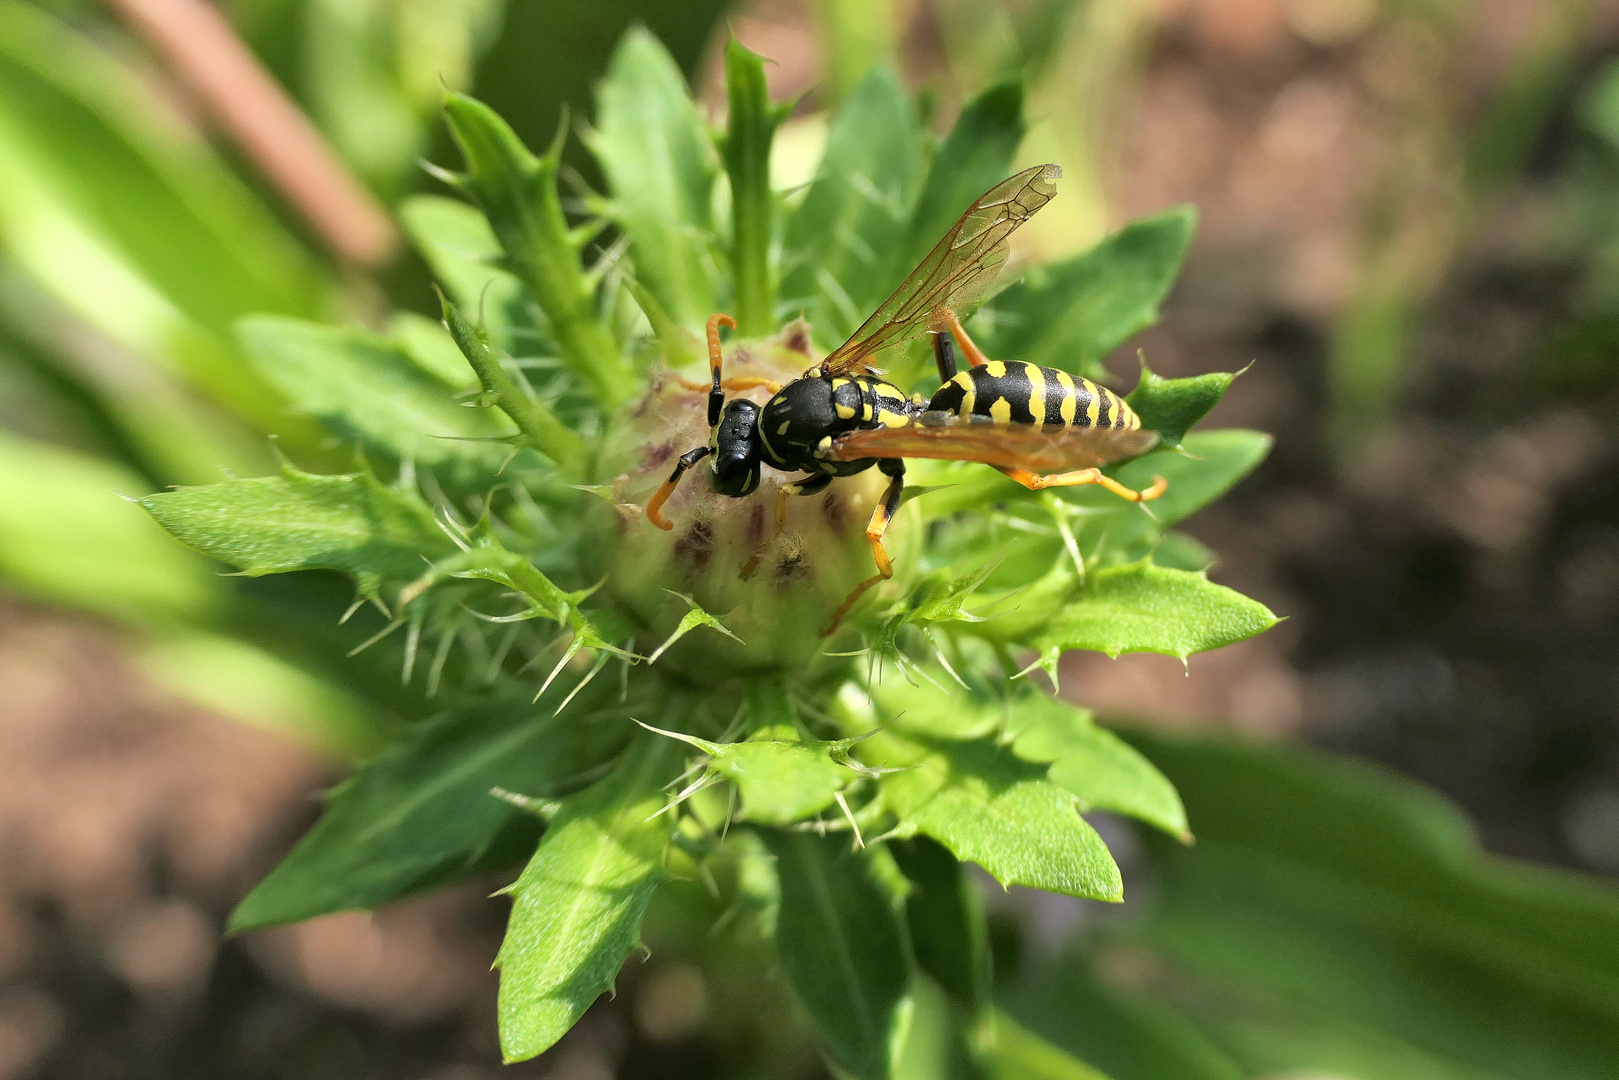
x,y
1013,392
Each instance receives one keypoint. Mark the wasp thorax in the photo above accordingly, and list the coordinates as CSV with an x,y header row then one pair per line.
x,y
722,513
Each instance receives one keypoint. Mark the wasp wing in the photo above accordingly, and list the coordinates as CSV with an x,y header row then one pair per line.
x,y
957,272
948,437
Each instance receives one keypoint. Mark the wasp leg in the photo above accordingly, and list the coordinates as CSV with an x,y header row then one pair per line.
x,y
716,393
812,485
944,355
1087,476
654,508
974,355
741,382
887,506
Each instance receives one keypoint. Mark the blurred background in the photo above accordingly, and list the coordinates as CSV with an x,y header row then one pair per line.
x,y
1408,228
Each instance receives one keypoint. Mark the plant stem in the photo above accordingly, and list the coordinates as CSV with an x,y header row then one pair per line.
x,y
748,136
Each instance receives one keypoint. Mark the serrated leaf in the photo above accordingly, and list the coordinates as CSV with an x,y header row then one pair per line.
x,y
975,157
1071,314
988,807
836,267
577,908
420,814
296,521
1171,406
1138,607
781,778
661,166
518,194
842,947
945,916
1106,772
365,386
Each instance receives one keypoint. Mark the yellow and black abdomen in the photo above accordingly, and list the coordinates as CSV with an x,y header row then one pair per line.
x,y
1013,392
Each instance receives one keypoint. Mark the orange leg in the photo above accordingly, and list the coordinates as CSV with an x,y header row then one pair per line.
x,y
887,506
969,349
743,382
716,393
654,507
1086,476
809,486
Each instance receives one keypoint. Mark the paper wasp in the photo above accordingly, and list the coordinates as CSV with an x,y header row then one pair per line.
x,y
1040,426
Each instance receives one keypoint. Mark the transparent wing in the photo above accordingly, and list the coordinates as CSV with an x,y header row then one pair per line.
x,y
957,272
949,437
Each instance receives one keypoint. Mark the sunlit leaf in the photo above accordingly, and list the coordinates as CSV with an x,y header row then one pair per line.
x,y
577,908
296,521
988,807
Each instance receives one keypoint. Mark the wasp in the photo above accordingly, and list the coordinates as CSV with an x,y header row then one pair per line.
x,y
1041,426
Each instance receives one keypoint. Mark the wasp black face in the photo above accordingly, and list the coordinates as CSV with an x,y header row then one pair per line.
x,y
735,466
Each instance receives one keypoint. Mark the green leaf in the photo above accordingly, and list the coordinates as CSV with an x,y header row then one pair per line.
x,y
1020,1054
1134,608
1071,314
420,814
750,129
1106,772
1365,898
67,537
946,919
518,194
842,947
989,808
974,158
660,164
781,778
1171,406
577,908
429,344
461,249
835,263
296,521
1129,1035
364,386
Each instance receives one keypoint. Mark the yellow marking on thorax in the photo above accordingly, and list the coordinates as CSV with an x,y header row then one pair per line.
x,y
995,369
1069,398
845,412
1001,411
783,429
969,393
1037,394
